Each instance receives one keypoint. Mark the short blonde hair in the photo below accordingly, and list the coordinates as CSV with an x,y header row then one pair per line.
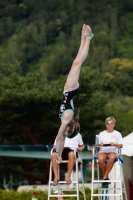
x,y
110,119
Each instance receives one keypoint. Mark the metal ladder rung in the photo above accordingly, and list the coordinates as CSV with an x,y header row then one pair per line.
x,y
64,195
102,189
106,181
98,195
63,182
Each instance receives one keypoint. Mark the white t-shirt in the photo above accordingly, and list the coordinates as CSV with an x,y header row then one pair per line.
x,y
107,138
74,142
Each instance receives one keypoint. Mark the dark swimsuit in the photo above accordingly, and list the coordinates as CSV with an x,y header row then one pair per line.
x,y
66,102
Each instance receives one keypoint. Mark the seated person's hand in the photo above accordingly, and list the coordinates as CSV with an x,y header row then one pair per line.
x,y
80,149
113,144
58,158
101,144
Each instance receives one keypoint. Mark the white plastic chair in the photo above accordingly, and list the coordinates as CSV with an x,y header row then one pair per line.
x,y
78,159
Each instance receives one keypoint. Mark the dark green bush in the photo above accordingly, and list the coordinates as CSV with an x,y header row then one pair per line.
x,y
23,195
42,195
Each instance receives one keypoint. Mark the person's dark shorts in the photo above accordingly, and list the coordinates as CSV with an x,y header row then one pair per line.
x,y
65,152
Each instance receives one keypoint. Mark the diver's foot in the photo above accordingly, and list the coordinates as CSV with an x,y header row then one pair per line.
x,y
83,34
89,33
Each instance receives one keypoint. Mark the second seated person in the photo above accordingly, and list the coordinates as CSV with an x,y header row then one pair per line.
x,y
113,138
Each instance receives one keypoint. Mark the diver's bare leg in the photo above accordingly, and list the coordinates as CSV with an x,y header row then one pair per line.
x,y
83,38
73,76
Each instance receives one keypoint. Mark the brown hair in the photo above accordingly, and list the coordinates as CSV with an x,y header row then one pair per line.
x,y
74,127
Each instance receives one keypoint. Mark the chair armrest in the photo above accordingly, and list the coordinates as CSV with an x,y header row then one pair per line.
x,y
95,150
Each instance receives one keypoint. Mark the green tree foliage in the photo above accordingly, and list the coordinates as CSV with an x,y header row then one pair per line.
x,y
30,32
24,103
119,76
121,108
92,102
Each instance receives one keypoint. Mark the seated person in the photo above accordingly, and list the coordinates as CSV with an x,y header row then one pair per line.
x,y
67,154
112,138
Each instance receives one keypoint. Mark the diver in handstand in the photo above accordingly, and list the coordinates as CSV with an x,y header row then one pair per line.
x,y
70,127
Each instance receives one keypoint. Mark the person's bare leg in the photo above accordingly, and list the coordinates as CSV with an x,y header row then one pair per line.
x,y
101,158
55,167
73,76
83,38
70,166
109,165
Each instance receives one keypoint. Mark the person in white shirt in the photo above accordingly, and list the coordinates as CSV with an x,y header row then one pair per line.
x,y
68,154
109,141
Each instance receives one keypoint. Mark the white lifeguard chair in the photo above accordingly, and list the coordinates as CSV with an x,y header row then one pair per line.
x,y
114,191
58,191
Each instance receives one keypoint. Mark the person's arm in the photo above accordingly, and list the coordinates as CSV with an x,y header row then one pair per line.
x,y
81,144
117,145
60,140
60,136
66,118
81,147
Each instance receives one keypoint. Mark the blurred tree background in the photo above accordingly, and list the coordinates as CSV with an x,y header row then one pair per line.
x,y
38,42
